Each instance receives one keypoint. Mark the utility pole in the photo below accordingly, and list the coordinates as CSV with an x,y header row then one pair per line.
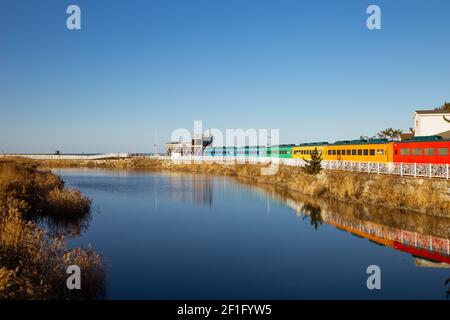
x,y
155,145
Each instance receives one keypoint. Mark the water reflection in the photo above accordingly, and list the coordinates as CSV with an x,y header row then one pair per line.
x,y
425,237
225,239
197,189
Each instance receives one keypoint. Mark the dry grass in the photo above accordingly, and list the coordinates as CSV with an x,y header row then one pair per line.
x,y
33,264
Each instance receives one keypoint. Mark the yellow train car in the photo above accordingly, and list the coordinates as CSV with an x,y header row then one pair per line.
x,y
303,151
374,150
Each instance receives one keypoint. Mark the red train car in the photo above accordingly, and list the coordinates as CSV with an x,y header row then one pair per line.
x,y
423,150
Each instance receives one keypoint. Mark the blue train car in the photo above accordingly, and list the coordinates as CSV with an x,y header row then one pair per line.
x,y
230,152
208,152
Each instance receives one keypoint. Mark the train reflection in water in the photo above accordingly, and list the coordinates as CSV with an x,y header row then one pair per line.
x,y
425,237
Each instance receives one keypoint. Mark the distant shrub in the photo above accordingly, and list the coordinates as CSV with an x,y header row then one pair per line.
x,y
67,203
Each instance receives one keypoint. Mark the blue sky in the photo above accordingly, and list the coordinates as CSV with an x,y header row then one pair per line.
x,y
310,68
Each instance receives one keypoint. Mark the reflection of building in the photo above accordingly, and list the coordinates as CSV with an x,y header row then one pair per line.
x,y
432,122
191,188
195,147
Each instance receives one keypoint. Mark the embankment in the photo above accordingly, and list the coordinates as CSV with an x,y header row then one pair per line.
x,y
422,195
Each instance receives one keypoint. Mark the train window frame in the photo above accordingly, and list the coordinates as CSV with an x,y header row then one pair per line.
x,y
372,152
405,152
443,154
415,152
353,152
426,152
360,152
366,152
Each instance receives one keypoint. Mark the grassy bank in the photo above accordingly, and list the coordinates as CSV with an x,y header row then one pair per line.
x,y
422,195
32,263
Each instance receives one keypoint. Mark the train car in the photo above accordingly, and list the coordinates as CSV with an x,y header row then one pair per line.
x,y
432,149
208,152
262,152
304,150
281,151
253,151
242,151
219,151
373,150
230,152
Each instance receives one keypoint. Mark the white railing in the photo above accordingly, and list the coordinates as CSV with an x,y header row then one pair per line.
x,y
426,170
69,156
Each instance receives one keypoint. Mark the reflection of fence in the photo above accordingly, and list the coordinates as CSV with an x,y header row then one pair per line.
x,y
404,237
427,170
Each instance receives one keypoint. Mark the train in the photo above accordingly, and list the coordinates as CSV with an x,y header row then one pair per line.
x,y
426,149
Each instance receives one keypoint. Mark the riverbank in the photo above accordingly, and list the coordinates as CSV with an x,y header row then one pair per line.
x,y
33,263
428,196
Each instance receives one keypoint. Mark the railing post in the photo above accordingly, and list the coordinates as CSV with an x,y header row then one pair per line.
x,y
401,169
431,175
447,171
415,170
378,168
368,166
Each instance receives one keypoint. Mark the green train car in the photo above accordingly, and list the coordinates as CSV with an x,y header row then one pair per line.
x,y
281,151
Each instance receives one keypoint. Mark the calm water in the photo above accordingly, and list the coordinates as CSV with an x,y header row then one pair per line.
x,y
182,236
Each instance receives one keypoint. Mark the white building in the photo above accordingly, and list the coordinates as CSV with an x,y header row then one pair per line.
x,y
431,122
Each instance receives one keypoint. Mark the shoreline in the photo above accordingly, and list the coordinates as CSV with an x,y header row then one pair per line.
x,y
429,196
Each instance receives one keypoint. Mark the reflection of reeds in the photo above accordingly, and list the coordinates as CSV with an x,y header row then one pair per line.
x,y
33,264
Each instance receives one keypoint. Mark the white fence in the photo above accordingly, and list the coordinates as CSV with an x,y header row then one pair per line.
x,y
69,156
426,170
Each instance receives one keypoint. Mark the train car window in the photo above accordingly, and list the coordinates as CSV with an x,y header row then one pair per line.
x,y
417,151
366,152
334,152
443,151
404,152
359,152
354,152
372,152
380,152
429,151
339,152
329,152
